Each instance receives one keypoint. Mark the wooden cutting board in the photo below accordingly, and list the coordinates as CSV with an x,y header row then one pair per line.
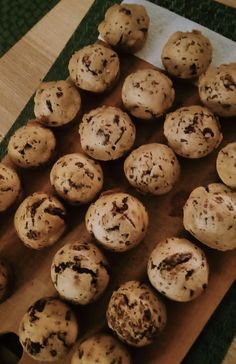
x,y
32,268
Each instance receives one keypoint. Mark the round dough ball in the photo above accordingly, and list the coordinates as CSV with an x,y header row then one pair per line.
x,y
106,133
56,103
79,272
178,269
94,68
192,131
76,178
210,215
31,146
226,164
10,187
118,221
6,280
136,314
217,89
147,94
152,168
125,27
48,329
40,220
101,348
187,54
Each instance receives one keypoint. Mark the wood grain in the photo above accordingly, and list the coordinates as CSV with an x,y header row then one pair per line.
x,y
24,66
228,2
21,70
32,268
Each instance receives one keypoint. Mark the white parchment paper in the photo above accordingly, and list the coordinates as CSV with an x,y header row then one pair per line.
x,y
164,22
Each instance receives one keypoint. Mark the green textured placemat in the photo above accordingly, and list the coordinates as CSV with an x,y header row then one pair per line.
x,y
17,17
214,340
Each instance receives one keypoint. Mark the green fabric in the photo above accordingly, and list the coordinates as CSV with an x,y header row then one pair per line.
x,y
214,340
17,17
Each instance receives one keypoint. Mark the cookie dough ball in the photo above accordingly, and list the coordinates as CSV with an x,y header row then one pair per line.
x,y
80,272
187,54
6,280
152,168
147,94
48,330
118,221
136,314
178,269
106,133
217,89
192,131
31,146
76,178
101,348
94,68
10,187
210,215
125,27
226,165
56,103
40,220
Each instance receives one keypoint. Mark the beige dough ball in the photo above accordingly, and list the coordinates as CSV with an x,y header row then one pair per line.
x,y
136,314
40,220
178,269
48,329
210,215
125,27
10,187
103,349
94,68
118,221
226,164
152,169
187,54
76,178
6,280
147,94
106,133
217,89
80,272
31,146
56,103
192,131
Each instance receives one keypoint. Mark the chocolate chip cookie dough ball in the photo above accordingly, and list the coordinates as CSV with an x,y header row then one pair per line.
x,y
210,215
147,94
10,187
80,272
106,133
193,131
178,269
48,330
217,89
56,103
152,169
6,280
125,27
31,146
187,54
226,164
40,220
101,348
136,314
118,221
76,178
94,68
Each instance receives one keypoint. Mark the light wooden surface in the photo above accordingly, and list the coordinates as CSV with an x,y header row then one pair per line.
x,y
33,267
24,66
